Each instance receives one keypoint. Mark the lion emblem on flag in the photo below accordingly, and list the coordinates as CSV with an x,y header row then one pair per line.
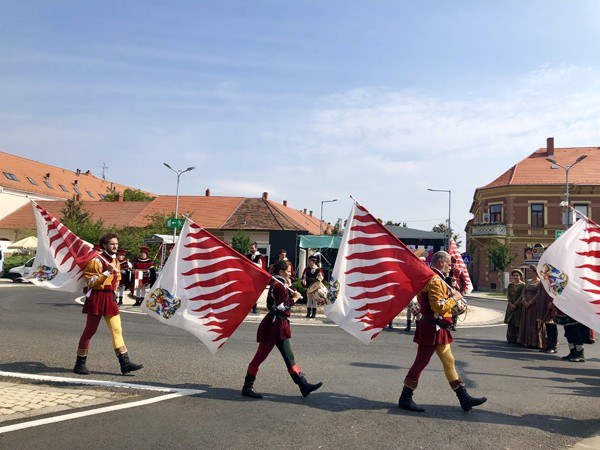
x,y
557,280
163,303
44,273
333,291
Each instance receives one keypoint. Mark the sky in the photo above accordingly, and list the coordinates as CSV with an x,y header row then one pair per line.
x,y
307,100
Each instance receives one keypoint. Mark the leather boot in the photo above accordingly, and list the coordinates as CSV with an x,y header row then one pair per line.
x,y
408,323
305,387
120,302
308,313
80,367
314,313
570,355
466,401
406,400
248,389
126,365
577,356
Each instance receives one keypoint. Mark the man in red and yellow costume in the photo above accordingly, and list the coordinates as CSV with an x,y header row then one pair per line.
x,y
102,276
437,300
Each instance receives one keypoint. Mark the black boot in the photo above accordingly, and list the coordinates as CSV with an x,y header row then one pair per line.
x,y
406,400
408,323
466,401
120,302
305,387
314,313
577,356
308,313
126,365
248,389
572,352
80,367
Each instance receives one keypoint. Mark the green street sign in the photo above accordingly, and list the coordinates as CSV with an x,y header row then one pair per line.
x,y
557,233
175,223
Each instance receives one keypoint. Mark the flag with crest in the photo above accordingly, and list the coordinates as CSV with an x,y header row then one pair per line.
x,y
61,255
205,287
462,267
374,278
570,271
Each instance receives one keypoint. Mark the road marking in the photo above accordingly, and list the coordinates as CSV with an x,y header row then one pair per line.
x,y
171,393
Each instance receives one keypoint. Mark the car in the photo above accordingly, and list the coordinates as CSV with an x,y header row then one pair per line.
x,y
20,272
1,263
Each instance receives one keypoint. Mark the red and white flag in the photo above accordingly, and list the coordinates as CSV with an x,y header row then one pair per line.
x,y
460,264
61,255
570,271
374,278
206,287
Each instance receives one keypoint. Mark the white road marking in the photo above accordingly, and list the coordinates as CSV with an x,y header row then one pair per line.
x,y
172,393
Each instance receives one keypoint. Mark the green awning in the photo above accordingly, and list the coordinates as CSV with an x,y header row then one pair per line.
x,y
326,241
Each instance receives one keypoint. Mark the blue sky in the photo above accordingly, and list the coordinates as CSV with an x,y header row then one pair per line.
x,y
306,100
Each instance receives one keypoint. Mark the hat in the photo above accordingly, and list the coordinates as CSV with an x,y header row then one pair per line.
x,y
313,257
121,252
517,271
145,249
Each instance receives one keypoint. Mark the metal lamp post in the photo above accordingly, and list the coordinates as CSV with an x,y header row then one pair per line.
x,y
178,173
449,230
321,222
556,165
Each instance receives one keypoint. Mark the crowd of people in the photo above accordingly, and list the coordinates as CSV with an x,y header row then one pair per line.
x,y
532,319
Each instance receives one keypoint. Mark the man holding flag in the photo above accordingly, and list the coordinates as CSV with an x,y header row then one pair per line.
x,y
437,300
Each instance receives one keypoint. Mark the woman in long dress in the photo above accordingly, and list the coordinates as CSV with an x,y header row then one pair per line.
x,y
513,307
529,328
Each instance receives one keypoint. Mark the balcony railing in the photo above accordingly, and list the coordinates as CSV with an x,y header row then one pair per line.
x,y
488,229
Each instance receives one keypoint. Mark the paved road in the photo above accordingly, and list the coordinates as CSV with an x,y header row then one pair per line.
x,y
535,400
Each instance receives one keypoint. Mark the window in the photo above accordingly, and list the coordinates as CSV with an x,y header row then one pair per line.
x,y
537,215
47,183
32,181
63,187
90,194
76,189
101,196
583,209
11,176
495,213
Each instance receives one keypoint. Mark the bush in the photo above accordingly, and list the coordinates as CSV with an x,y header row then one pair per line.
x,y
14,261
297,284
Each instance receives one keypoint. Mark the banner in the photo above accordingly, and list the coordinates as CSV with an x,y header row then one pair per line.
x,y
206,287
460,264
374,278
570,271
61,256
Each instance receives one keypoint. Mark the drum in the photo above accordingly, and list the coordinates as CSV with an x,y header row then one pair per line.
x,y
319,292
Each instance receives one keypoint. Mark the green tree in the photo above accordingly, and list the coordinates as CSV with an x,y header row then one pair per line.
x,y
398,224
441,228
132,238
241,241
129,195
500,256
80,221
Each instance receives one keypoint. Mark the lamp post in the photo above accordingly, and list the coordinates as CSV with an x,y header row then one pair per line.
x,y
449,229
556,165
321,221
178,173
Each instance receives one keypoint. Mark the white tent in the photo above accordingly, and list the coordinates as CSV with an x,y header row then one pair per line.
x,y
28,243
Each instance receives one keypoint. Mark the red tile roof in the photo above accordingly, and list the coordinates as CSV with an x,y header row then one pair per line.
x,y
306,221
24,169
535,170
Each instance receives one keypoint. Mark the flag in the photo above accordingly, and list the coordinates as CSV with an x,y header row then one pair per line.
x,y
460,264
374,278
61,255
570,271
206,287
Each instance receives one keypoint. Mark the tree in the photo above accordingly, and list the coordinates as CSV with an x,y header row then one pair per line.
x,y
241,241
441,228
397,224
132,238
80,221
129,195
500,256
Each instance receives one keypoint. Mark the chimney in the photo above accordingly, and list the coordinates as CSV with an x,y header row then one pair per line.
x,y
285,203
304,211
207,193
550,147
310,213
265,196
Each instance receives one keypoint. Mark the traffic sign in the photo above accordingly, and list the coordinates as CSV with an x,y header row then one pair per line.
x,y
558,233
466,259
175,223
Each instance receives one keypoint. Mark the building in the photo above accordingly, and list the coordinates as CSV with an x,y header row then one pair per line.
x,y
521,208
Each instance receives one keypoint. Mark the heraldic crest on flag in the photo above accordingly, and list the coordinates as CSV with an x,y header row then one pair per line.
x,y
205,287
570,272
61,255
374,278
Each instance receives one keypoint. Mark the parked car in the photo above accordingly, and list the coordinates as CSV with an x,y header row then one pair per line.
x,y
18,273
1,263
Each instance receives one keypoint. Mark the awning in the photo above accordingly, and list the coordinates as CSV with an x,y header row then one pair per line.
x,y
326,241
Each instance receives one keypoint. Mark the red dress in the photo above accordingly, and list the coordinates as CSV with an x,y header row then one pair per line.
x,y
275,325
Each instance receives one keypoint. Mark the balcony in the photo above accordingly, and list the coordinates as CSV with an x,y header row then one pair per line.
x,y
488,229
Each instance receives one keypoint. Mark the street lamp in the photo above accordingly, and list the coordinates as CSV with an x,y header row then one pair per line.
x,y
449,230
556,165
178,173
321,222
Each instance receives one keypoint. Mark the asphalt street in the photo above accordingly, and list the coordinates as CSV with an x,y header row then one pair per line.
x,y
534,400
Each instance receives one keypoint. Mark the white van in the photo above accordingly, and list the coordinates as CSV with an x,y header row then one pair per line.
x,y
18,273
